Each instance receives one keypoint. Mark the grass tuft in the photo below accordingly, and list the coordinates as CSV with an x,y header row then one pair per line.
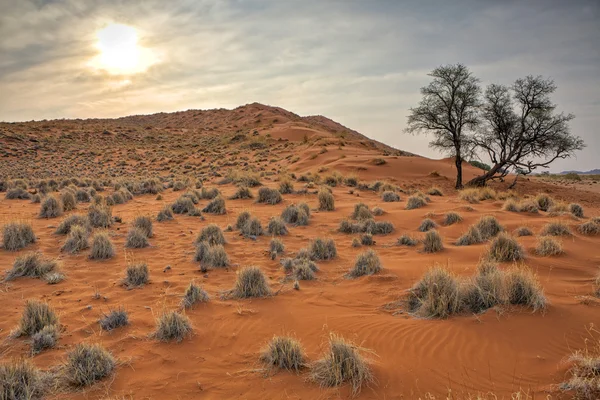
x,y
283,352
88,363
172,326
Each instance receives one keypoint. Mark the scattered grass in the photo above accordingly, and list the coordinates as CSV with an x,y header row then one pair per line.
x,y
65,225
390,197
242,192
589,228
523,288
523,231
361,212
32,265
435,191
322,249
100,216
46,338
144,223
576,210
406,240
452,218
77,240
194,294
252,228
555,229
489,227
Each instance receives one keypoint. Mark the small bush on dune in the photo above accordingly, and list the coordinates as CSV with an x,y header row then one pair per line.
x,y
277,227
88,363
558,209
297,214
242,218
426,225
342,363
136,239
489,227
201,254
251,282
505,248
183,205
378,227
46,338
215,257
326,200
17,235
361,212
269,196
100,216
17,194
576,210
144,223
215,206
211,234
366,239
322,249
523,231
166,214
283,352
83,196
528,207
20,380
77,240
415,202
378,211
32,265
252,227
114,319
452,218
136,275
366,263
584,373
194,294
590,228
523,288
511,205
436,295
35,317
51,207
472,236
68,200
548,246
432,242
304,270
102,247
242,192
435,191
286,187
65,225
555,229
406,240
389,197
544,202
209,194
276,247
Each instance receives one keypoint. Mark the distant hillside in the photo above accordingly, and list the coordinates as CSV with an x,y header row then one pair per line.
x,y
591,172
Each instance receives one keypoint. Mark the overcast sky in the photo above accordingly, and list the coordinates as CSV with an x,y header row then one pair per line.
x,y
360,63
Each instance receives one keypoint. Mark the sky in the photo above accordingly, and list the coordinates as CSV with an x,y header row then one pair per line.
x,y
360,63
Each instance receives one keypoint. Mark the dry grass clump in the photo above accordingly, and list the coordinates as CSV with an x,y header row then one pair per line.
x,y
277,227
35,317
589,228
452,218
215,206
426,225
585,373
576,210
211,256
523,288
269,196
17,235
17,194
296,214
136,275
68,200
544,202
144,223
326,200
20,380
475,195
528,207
31,264
283,352
435,191
361,212
304,269
322,249
484,290
378,211
46,338
286,186
489,227
505,248
183,205
523,231
511,205
53,278
77,240
406,240
172,326
432,243
390,197
102,247
100,216
211,234
65,225
415,202
194,294
555,229
252,227
209,194
558,209
342,363
242,192
436,295
136,239
366,263
166,214
276,247
114,319
366,239
51,207
88,363
368,226
548,246
250,282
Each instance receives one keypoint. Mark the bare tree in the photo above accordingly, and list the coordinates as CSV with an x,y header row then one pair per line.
x,y
448,110
520,130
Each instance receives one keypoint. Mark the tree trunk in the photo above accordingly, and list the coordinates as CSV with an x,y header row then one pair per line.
x,y
481,180
458,161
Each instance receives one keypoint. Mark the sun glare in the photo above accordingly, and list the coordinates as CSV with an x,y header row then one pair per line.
x,y
120,53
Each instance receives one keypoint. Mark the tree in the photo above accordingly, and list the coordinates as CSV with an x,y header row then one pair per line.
x,y
448,110
521,130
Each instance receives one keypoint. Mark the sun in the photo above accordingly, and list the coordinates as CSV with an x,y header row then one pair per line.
x,y
119,51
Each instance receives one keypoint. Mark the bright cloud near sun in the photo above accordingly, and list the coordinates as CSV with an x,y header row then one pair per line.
x,y
120,52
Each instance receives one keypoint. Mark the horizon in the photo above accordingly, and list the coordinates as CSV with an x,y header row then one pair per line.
x,y
80,60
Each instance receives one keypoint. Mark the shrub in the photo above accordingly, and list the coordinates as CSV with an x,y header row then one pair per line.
x,y
555,229
277,227
432,242
54,277
406,240
209,194
415,202
83,196
378,227
68,200
472,236
390,197
326,200
523,288
378,211
251,282
17,235
215,206
194,294
114,319
276,247
589,228
35,317
505,248
523,231
144,224
242,218
213,256
100,216
172,326
183,205
20,380
361,212
427,225
436,295
65,225
322,249
77,240
269,196
366,239
342,363
510,205
102,247
17,193
296,214
548,246
485,290
435,191
528,207
32,265
88,363
558,209
242,192
585,374
44,339
283,352
489,227
51,208
166,214
252,227
366,263
136,239
544,202
576,210
136,275
286,186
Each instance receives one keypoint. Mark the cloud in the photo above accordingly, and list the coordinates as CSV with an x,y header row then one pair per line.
x,y
360,63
